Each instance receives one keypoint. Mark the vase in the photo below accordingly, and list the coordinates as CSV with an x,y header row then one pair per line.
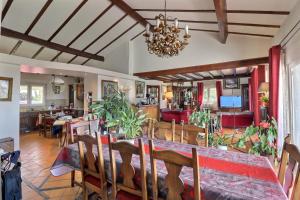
x,y
222,147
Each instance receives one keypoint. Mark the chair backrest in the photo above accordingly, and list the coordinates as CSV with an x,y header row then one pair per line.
x,y
191,133
81,127
151,128
174,163
167,130
289,160
94,126
91,163
127,150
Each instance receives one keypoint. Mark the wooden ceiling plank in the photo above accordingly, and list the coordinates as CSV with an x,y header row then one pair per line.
x,y
262,12
215,78
21,36
62,26
229,23
100,36
206,67
251,34
210,74
220,72
6,8
33,23
131,12
234,72
85,29
221,7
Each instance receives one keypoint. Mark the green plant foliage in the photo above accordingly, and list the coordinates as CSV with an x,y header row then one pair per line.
x,y
266,134
200,118
221,140
264,99
117,112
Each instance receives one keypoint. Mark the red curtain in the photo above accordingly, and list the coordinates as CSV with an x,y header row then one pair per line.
x,y
257,77
274,63
200,93
219,91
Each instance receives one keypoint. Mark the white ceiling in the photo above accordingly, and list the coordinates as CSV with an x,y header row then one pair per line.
x,y
22,13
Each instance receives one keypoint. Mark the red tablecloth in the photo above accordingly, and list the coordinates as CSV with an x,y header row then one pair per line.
x,y
224,174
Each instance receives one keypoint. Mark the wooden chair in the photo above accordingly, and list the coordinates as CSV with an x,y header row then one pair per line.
x,y
48,126
127,189
191,133
174,163
92,166
94,126
152,123
81,128
166,130
289,160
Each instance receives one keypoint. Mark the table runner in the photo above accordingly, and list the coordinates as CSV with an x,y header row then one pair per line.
x,y
224,175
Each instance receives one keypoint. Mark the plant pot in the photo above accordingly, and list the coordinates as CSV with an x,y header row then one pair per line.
x,y
131,141
265,104
222,147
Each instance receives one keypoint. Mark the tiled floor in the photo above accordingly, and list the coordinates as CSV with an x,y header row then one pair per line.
x,y
37,155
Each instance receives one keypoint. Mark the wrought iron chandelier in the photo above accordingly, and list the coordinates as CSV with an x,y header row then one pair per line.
x,y
165,40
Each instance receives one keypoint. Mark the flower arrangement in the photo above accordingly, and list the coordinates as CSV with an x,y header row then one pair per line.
x,y
265,100
262,138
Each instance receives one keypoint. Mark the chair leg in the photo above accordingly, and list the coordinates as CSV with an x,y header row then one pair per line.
x,y
73,178
85,194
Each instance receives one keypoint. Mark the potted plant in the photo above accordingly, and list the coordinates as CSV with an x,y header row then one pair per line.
x,y
130,122
117,113
265,101
200,118
221,141
262,138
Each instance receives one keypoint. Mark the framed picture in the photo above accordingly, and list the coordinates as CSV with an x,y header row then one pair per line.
x,y
108,88
139,89
232,83
6,85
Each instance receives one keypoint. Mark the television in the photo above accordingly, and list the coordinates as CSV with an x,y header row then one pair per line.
x,y
231,102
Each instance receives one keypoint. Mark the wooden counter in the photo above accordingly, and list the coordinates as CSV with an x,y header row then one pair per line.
x,y
152,111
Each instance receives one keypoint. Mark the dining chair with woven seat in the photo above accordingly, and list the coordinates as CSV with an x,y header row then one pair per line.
x,y
127,188
166,130
92,166
290,165
174,162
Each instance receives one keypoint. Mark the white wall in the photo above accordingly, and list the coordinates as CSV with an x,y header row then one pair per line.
x,y
9,110
91,85
61,99
203,48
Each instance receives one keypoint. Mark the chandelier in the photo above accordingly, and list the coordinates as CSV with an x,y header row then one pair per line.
x,y
165,40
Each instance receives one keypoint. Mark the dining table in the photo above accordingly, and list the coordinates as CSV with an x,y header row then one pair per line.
x,y
224,175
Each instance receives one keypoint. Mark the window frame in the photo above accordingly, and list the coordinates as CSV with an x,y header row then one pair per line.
x,y
209,101
29,95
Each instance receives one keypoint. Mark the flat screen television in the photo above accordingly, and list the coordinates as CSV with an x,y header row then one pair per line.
x,y
231,101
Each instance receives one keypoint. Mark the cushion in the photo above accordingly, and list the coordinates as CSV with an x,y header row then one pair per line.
x,y
122,195
93,180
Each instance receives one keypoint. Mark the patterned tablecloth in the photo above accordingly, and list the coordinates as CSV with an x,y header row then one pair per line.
x,y
224,175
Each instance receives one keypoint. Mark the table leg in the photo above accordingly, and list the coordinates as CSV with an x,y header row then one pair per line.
x,y
73,178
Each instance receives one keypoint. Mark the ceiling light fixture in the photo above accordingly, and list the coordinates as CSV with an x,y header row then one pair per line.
x,y
165,40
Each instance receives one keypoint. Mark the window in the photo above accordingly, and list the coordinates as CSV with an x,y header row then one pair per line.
x,y
23,94
209,95
37,95
32,95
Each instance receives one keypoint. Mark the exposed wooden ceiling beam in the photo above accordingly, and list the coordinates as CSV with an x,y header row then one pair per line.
x,y
199,75
229,23
206,67
85,29
210,74
5,9
131,12
61,26
263,12
221,7
21,36
33,23
119,36
137,35
210,78
100,36
188,76
220,72
251,34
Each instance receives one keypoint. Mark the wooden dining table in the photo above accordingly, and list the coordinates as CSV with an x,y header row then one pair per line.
x,y
224,175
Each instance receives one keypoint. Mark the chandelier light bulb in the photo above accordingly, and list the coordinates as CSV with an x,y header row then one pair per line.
x,y
176,23
157,22
147,28
186,29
